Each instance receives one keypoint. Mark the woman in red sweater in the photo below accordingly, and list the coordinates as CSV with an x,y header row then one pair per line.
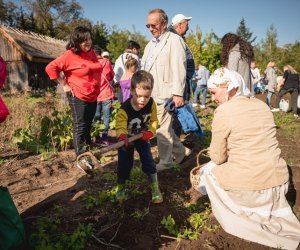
x,y
81,84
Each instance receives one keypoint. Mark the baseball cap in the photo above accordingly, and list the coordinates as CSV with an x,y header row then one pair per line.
x,y
179,17
104,54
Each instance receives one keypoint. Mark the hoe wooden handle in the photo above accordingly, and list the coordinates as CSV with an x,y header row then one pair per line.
x,y
97,153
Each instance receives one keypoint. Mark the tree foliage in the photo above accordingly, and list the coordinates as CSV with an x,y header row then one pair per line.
x,y
100,35
52,16
268,50
244,32
206,49
118,40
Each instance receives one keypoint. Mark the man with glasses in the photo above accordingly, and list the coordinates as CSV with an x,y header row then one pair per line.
x,y
165,58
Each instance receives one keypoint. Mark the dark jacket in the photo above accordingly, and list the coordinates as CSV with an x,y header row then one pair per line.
x,y
291,81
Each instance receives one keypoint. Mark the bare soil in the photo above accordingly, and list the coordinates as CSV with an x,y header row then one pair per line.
x,y
36,185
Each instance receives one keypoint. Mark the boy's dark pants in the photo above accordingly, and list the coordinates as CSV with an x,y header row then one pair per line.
x,y
83,114
126,158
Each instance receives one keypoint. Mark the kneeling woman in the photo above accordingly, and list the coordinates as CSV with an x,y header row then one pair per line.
x,y
247,179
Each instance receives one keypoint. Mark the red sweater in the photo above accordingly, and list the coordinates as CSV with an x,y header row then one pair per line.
x,y
106,90
82,72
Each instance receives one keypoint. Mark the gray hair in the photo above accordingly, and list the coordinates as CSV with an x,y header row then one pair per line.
x,y
162,14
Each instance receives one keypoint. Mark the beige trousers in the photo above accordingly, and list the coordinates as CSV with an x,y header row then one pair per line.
x,y
168,143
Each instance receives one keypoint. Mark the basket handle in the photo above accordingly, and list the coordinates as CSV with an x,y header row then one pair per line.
x,y
200,153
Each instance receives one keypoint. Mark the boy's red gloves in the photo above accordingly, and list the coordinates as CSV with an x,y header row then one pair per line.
x,y
147,135
124,137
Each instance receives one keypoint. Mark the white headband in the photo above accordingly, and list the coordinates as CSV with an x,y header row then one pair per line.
x,y
229,78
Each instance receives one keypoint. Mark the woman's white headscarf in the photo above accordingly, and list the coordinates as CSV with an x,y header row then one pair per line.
x,y
230,79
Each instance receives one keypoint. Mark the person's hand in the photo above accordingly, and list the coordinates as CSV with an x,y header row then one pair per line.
x,y
178,101
147,135
124,137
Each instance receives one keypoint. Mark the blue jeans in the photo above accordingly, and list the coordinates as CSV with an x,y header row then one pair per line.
x,y
126,158
83,114
200,89
105,109
268,97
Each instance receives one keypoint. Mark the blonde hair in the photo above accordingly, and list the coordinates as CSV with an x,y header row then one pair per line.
x,y
271,64
131,62
142,79
290,69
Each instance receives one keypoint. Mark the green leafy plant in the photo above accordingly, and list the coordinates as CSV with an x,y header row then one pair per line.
x,y
25,139
170,225
55,133
195,224
109,176
177,168
100,198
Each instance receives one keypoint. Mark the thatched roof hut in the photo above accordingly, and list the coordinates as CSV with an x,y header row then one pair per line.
x,y
26,54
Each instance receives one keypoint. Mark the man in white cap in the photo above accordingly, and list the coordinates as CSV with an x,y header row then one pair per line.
x,y
180,23
179,26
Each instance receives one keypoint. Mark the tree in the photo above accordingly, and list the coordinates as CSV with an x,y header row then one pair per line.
x,y
206,49
2,11
8,13
195,43
139,38
53,16
118,40
244,32
269,46
267,50
100,35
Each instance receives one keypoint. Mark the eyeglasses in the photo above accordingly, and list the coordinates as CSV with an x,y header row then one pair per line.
x,y
153,26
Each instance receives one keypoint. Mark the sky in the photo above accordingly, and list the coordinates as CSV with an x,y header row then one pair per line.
x,y
219,16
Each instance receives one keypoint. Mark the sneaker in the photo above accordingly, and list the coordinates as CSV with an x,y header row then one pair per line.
x,y
296,115
195,104
156,194
202,106
275,109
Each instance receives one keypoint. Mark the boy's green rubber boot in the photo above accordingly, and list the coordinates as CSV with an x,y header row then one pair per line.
x,y
156,194
120,195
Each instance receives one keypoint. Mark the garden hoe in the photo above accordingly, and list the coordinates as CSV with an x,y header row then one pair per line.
x,y
93,155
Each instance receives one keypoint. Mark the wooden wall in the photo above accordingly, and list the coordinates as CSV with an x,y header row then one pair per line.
x,y
19,69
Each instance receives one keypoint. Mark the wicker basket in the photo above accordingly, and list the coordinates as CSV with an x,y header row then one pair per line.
x,y
194,174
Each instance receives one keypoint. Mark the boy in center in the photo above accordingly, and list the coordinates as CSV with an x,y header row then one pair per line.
x,y
137,115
